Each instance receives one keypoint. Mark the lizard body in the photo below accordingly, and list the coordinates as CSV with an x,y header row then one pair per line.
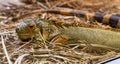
x,y
91,35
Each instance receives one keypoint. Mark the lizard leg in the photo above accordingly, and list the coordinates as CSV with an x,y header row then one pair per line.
x,y
39,42
59,39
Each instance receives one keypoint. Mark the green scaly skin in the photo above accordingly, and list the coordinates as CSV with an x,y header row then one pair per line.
x,y
93,36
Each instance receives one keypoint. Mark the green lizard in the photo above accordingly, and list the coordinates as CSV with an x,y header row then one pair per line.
x,y
39,30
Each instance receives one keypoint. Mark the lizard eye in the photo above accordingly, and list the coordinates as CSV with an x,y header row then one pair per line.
x,y
31,26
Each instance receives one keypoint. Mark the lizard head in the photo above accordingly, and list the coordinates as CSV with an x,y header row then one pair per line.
x,y
25,30
32,30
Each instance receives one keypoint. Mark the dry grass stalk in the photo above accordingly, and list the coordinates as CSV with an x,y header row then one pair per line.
x,y
5,50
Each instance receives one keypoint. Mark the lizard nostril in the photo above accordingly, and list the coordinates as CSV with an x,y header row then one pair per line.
x,y
17,29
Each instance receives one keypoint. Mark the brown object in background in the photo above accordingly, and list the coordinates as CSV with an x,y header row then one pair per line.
x,y
28,1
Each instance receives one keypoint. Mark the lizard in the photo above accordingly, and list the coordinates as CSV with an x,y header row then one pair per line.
x,y
108,19
38,30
